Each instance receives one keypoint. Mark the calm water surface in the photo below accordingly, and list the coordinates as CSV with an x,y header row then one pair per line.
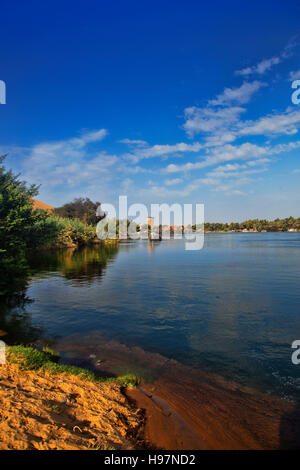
x,y
232,308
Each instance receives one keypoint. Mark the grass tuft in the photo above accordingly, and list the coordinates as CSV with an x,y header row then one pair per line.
x,y
29,358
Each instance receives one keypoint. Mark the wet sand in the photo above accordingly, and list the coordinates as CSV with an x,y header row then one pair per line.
x,y
164,427
186,408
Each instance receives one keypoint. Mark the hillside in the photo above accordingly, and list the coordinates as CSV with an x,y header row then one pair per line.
x,y
42,205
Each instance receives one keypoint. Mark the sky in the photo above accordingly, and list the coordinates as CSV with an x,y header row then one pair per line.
x,y
162,101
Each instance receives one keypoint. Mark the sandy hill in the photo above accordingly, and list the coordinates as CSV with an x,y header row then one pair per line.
x,y
42,205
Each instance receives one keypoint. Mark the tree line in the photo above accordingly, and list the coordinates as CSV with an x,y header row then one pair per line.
x,y
257,225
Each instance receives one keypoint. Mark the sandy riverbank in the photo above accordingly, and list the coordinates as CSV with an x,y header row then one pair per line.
x,y
187,408
46,412
40,411
176,408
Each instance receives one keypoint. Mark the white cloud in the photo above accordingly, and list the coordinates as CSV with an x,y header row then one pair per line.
x,y
162,151
240,95
224,125
137,142
229,152
77,163
221,154
213,183
295,75
48,153
172,182
220,123
266,65
126,184
273,124
89,137
261,68
218,139
237,172
261,161
209,120
69,162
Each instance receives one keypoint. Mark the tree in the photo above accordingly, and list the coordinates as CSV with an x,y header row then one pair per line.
x,y
81,208
21,227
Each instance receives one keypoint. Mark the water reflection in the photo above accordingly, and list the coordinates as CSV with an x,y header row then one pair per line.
x,y
151,245
81,265
15,321
231,307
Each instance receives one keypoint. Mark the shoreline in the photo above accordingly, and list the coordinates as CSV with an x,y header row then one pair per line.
x,y
164,427
178,408
224,414
45,405
112,241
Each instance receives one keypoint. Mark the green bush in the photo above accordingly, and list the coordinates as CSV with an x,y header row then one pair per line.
x,y
68,232
21,227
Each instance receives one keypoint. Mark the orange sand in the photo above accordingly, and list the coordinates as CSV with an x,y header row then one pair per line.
x,y
43,411
199,409
42,205
180,409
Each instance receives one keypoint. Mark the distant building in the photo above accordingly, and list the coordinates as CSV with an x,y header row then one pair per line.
x,y
150,221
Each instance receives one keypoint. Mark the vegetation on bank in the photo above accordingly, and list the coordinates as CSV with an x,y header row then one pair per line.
x,y
24,229
82,209
28,358
21,228
68,232
277,225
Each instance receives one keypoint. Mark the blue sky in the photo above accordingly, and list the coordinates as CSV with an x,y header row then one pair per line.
x,y
176,102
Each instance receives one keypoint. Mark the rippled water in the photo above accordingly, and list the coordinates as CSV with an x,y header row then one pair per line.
x,y
232,308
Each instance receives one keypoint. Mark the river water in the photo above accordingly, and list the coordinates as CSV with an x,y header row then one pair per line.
x,y
232,308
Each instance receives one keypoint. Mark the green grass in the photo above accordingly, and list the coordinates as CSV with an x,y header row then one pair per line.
x,y
29,358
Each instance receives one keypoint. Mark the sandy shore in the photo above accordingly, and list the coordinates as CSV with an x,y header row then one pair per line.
x,y
164,427
46,412
198,410
176,407
212,417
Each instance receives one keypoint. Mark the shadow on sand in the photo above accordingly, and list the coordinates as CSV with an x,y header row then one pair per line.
x,y
290,428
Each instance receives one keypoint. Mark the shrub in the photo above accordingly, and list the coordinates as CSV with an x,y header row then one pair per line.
x,y
68,232
21,226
